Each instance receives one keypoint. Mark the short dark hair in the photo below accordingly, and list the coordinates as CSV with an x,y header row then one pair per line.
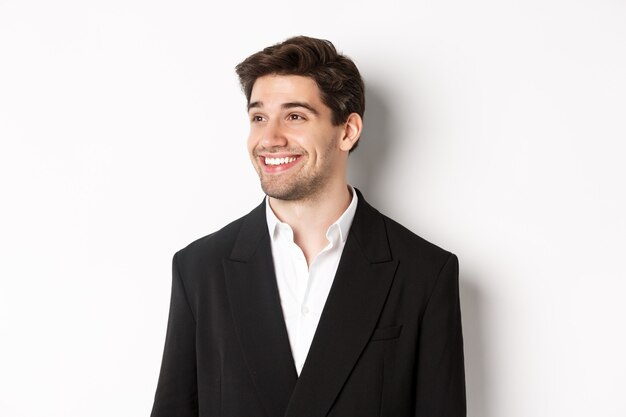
x,y
340,83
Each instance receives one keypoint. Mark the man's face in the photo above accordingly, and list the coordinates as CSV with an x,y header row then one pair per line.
x,y
293,144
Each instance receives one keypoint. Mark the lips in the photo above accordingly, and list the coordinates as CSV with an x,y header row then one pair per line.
x,y
278,163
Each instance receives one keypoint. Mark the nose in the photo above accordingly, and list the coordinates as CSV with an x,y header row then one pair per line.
x,y
273,135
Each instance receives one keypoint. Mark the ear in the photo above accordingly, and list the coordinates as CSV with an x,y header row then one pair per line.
x,y
351,133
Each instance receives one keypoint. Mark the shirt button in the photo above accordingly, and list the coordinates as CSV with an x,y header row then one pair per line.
x,y
304,310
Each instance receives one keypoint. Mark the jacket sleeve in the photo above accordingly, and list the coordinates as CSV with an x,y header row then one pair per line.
x,y
440,372
177,391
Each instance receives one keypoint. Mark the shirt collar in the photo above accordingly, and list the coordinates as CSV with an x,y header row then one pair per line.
x,y
343,223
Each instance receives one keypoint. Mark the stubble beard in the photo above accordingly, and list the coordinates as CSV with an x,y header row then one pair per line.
x,y
299,186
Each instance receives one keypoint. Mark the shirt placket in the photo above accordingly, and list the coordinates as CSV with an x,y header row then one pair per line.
x,y
302,283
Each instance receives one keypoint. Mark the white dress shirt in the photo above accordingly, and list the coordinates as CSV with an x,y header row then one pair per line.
x,y
303,290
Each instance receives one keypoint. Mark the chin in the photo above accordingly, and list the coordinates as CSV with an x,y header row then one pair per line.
x,y
287,192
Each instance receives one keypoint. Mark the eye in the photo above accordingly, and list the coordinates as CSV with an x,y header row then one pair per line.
x,y
295,116
256,118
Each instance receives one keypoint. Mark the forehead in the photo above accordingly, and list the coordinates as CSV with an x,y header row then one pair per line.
x,y
278,89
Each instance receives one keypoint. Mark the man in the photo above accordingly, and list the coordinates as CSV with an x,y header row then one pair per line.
x,y
313,304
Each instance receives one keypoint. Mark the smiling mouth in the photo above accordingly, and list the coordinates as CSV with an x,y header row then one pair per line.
x,y
275,164
279,161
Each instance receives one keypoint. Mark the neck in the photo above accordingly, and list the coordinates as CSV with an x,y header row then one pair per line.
x,y
311,218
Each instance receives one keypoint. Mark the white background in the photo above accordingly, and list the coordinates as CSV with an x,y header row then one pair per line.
x,y
495,129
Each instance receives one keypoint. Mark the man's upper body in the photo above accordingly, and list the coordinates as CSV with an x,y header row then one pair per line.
x,y
313,304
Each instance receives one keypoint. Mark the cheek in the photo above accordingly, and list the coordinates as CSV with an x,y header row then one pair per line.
x,y
252,141
327,140
255,136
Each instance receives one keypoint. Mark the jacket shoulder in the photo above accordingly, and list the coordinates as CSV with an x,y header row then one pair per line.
x,y
406,244
423,263
403,244
216,245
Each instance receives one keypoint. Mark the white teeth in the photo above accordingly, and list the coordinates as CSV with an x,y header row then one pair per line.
x,y
279,161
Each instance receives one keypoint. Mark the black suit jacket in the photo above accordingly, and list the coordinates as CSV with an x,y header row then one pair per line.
x,y
388,342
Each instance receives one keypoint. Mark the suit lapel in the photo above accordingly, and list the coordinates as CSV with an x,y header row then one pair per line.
x,y
350,314
255,302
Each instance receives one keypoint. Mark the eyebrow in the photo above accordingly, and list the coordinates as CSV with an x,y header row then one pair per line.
x,y
289,105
